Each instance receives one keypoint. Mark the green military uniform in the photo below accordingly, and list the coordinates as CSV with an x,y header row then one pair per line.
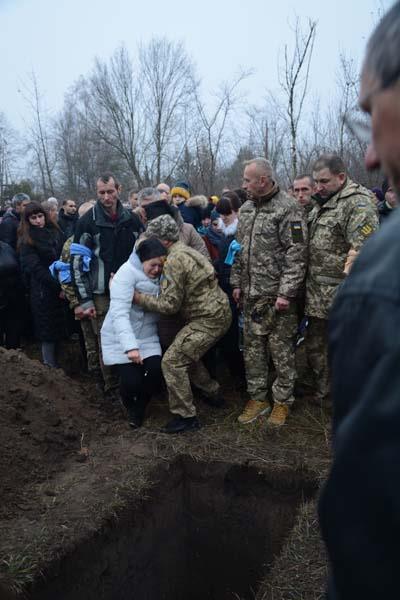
x,y
189,286
338,226
88,326
272,263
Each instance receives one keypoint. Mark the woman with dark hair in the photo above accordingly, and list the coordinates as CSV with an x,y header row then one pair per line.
x,y
129,337
40,243
228,208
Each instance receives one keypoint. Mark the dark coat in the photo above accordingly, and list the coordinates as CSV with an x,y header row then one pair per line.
x,y
111,242
9,228
48,309
360,504
67,223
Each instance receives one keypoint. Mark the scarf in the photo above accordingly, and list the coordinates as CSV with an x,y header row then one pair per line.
x,y
62,271
234,248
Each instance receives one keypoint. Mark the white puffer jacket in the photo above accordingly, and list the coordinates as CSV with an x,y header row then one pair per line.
x,y
126,326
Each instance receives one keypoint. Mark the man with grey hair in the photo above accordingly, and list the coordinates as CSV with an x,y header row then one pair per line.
x,y
266,278
360,503
165,192
11,220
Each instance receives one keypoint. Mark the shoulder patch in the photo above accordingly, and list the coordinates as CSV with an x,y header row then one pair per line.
x,y
164,282
366,230
297,232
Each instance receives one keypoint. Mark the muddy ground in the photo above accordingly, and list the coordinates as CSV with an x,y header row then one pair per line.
x,y
72,471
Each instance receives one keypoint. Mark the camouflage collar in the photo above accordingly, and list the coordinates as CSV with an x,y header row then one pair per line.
x,y
263,199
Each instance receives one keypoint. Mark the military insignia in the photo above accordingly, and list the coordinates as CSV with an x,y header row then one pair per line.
x,y
297,232
164,283
366,230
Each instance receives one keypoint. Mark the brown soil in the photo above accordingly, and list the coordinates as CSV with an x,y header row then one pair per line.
x,y
70,466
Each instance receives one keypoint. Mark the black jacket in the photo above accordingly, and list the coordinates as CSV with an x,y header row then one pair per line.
x,y
9,228
48,309
111,244
360,504
67,223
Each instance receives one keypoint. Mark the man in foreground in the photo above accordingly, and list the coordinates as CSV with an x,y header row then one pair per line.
x,y
360,504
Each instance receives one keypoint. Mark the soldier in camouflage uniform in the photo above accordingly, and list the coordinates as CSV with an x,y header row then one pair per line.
x,y
188,286
88,326
344,217
267,276
303,189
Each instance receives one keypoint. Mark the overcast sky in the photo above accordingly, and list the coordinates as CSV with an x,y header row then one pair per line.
x,y
59,39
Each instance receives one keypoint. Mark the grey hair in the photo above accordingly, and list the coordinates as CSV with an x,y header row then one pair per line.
x,y
19,199
52,201
382,59
148,193
263,165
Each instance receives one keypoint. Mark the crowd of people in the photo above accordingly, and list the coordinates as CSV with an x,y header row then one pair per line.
x,y
166,287
163,289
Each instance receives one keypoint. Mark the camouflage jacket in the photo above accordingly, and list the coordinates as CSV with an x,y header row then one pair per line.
x,y
188,286
340,225
273,234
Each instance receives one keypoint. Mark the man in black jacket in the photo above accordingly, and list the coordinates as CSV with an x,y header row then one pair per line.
x,y
11,220
360,504
109,231
67,218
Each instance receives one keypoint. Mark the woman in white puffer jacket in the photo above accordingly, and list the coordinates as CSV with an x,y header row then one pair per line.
x,y
129,337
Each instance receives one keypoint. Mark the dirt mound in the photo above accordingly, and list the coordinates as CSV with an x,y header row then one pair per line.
x,y
43,415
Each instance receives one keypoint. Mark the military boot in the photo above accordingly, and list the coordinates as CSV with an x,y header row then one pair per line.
x,y
278,415
253,410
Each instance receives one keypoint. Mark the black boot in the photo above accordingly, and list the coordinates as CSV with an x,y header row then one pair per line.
x,y
180,424
135,419
217,401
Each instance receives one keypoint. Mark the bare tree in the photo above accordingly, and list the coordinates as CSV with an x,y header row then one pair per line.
x,y
293,78
168,87
113,102
212,130
40,135
8,154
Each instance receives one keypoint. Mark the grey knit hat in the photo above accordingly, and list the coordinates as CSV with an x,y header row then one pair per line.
x,y
163,227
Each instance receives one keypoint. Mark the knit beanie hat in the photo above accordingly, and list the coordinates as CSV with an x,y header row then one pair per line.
x,y
150,248
378,193
164,227
182,188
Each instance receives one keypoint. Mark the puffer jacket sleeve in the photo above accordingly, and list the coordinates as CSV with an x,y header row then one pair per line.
x,y
293,236
121,295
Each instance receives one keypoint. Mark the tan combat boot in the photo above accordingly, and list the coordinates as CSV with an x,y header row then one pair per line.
x,y
253,410
278,415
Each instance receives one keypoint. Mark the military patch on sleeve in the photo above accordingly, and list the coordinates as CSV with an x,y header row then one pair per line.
x,y
164,283
366,230
297,232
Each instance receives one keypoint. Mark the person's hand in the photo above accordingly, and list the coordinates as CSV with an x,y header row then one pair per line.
x,y
61,295
236,293
79,313
136,297
281,304
90,313
135,357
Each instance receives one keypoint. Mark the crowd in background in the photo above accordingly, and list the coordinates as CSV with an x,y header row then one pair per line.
x,y
59,266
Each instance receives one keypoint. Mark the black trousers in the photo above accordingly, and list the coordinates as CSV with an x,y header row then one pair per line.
x,y
139,382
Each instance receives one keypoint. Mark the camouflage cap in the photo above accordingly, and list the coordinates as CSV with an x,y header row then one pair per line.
x,y
163,227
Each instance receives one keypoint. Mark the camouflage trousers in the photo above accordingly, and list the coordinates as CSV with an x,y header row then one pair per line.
x,y
89,332
317,353
181,363
273,339
102,303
